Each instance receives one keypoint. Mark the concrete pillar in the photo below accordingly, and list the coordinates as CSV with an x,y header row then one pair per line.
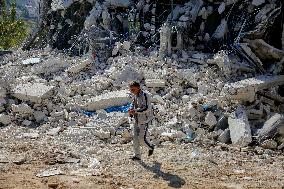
x,y
165,40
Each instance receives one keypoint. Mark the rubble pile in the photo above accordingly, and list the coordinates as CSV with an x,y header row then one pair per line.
x,y
192,101
215,76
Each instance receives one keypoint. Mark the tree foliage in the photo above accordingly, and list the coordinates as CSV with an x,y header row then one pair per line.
x,y
12,30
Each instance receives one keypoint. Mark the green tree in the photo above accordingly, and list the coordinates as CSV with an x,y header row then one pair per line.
x,y
3,9
13,11
12,30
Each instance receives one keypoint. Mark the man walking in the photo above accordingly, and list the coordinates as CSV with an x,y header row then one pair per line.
x,y
142,112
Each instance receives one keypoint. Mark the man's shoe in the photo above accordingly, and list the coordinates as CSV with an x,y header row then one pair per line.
x,y
134,158
151,152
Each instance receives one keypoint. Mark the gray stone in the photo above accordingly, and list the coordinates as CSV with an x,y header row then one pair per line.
x,y
269,144
39,116
240,131
270,127
210,119
79,67
26,123
117,3
265,51
224,137
246,89
155,83
34,92
115,98
22,109
5,119
49,172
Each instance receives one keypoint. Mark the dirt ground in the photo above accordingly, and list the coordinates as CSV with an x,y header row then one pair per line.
x,y
172,166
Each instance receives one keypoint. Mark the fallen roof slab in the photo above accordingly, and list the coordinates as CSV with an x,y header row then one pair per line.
x,y
246,89
115,98
33,92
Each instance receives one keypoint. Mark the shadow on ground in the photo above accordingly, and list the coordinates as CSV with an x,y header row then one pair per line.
x,y
174,180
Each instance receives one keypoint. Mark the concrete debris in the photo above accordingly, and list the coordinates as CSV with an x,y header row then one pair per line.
x,y
258,2
125,76
5,119
34,92
269,144
155,83
117,3
210,119
239,126
265,51
214,71
49,66
31,61
246,89
270,127
224,137
78,67
115,98
49,172
23,109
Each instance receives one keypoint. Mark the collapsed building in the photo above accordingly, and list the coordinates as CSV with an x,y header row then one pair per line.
x,y
214,69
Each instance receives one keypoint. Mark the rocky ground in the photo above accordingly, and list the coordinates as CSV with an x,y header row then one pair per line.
x,y
57,130
190,165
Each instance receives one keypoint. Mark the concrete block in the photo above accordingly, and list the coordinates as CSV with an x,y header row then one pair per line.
x,y
50,66
128,74
240,131
26,123
23,109
115,98
39,116
245,89
224,137
5,119
210,119
34,92
79,67
270,127
265,51
155,83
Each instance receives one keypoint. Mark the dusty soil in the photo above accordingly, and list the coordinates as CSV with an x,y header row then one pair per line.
x,y
172,166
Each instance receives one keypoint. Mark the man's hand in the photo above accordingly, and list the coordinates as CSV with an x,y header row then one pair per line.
x,y
131,112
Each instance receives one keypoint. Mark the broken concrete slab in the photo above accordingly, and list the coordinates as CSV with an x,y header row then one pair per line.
x,y
239,126
155,83
250,54
128,74
270,127
115,98
34,92
50,66
224,137
79,67
265,51
246,89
